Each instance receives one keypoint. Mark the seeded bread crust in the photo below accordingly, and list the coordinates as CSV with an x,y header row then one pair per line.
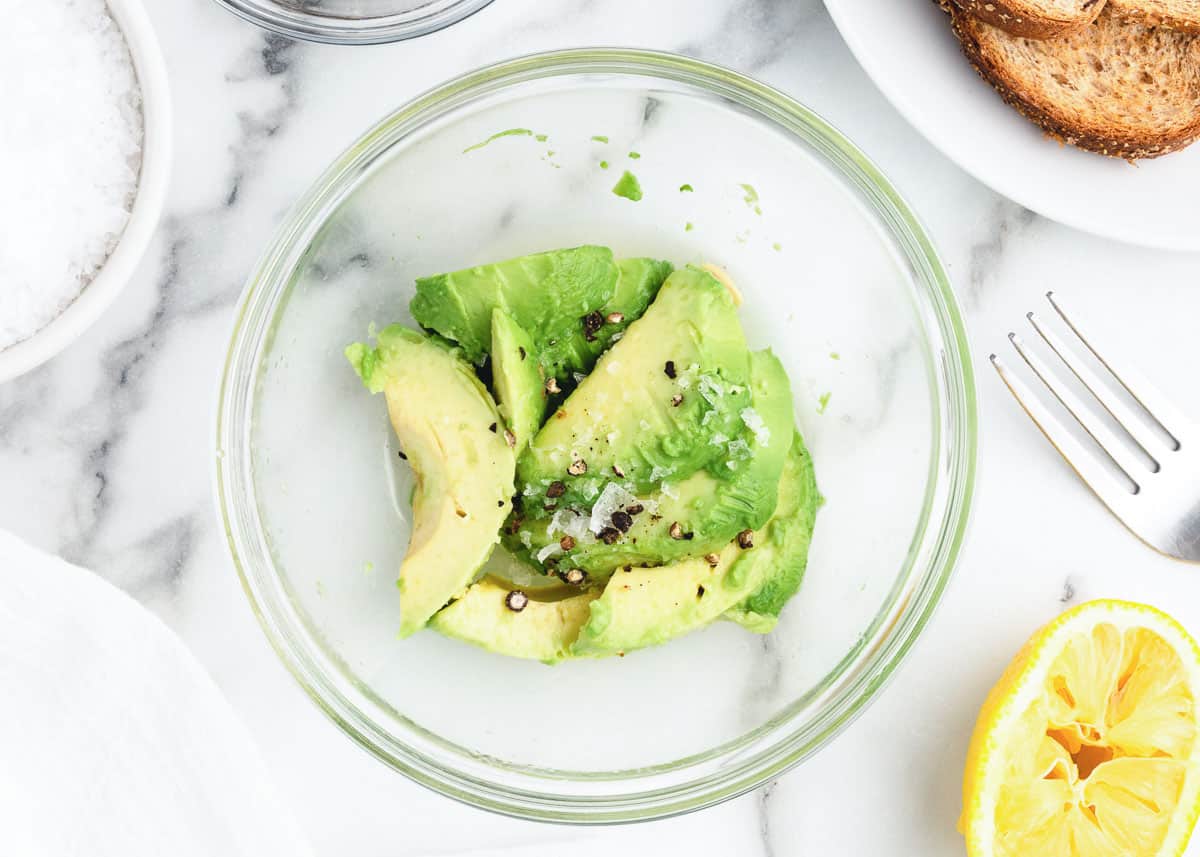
x,y
1063,86
1032,19
1181,15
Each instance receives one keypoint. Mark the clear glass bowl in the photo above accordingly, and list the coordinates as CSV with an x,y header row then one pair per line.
x,y
354,22
838,277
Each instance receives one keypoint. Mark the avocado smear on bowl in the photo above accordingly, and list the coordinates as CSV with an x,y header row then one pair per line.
x,y
630,472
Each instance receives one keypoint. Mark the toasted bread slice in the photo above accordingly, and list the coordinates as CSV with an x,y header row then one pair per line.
x,y
1176,14
1035,19
1124,90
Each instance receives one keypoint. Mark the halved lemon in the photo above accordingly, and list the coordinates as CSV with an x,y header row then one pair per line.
x,y
1087,747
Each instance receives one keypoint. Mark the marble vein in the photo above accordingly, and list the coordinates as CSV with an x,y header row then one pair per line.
x,y
276,59
183,293
765,681
1005,221
22,403
765,807
754,34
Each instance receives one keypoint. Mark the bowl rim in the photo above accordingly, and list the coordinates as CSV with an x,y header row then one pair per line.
x,y
334,30
538,794
153,179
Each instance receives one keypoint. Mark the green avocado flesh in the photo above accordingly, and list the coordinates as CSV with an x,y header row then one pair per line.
x,y
544,630
647,606
446,421
789,541
637,284
710,510
516,379
549,295
546,294
632,415
602,495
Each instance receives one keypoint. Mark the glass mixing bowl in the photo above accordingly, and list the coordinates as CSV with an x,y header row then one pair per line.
x,y
354,22
839,278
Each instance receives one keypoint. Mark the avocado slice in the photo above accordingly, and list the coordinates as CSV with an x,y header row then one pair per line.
x,y
544,630
760,612
659,405
637,284
547,294
647,606
447,425
516,379
710,509
511,571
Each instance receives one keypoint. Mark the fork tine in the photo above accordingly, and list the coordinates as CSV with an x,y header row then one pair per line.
x,y
1150,398
1105,437
1122,413
1081,460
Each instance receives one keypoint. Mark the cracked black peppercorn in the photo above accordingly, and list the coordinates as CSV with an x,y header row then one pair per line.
x,y
592,322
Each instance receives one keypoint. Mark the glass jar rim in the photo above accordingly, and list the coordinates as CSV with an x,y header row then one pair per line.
x,y
428,18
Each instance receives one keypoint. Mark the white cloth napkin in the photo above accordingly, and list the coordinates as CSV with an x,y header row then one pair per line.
x,y
113,738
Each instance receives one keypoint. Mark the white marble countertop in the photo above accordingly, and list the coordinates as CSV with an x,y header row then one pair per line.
x,y
104,452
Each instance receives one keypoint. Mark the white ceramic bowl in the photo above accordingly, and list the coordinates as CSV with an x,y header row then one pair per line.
x,y
81,313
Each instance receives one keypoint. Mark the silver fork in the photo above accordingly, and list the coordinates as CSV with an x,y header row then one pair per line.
x,y
1162,504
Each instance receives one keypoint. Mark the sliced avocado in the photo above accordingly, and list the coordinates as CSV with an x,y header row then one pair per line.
x,y
516,379
709,510
543,630
760,612
647,606
513,572
446,422
659,405
547,294
638,283
637,287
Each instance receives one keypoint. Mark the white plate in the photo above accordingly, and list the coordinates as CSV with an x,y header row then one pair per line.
x,y
908,49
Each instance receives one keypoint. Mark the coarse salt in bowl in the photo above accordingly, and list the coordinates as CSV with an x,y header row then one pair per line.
x,y
86,145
